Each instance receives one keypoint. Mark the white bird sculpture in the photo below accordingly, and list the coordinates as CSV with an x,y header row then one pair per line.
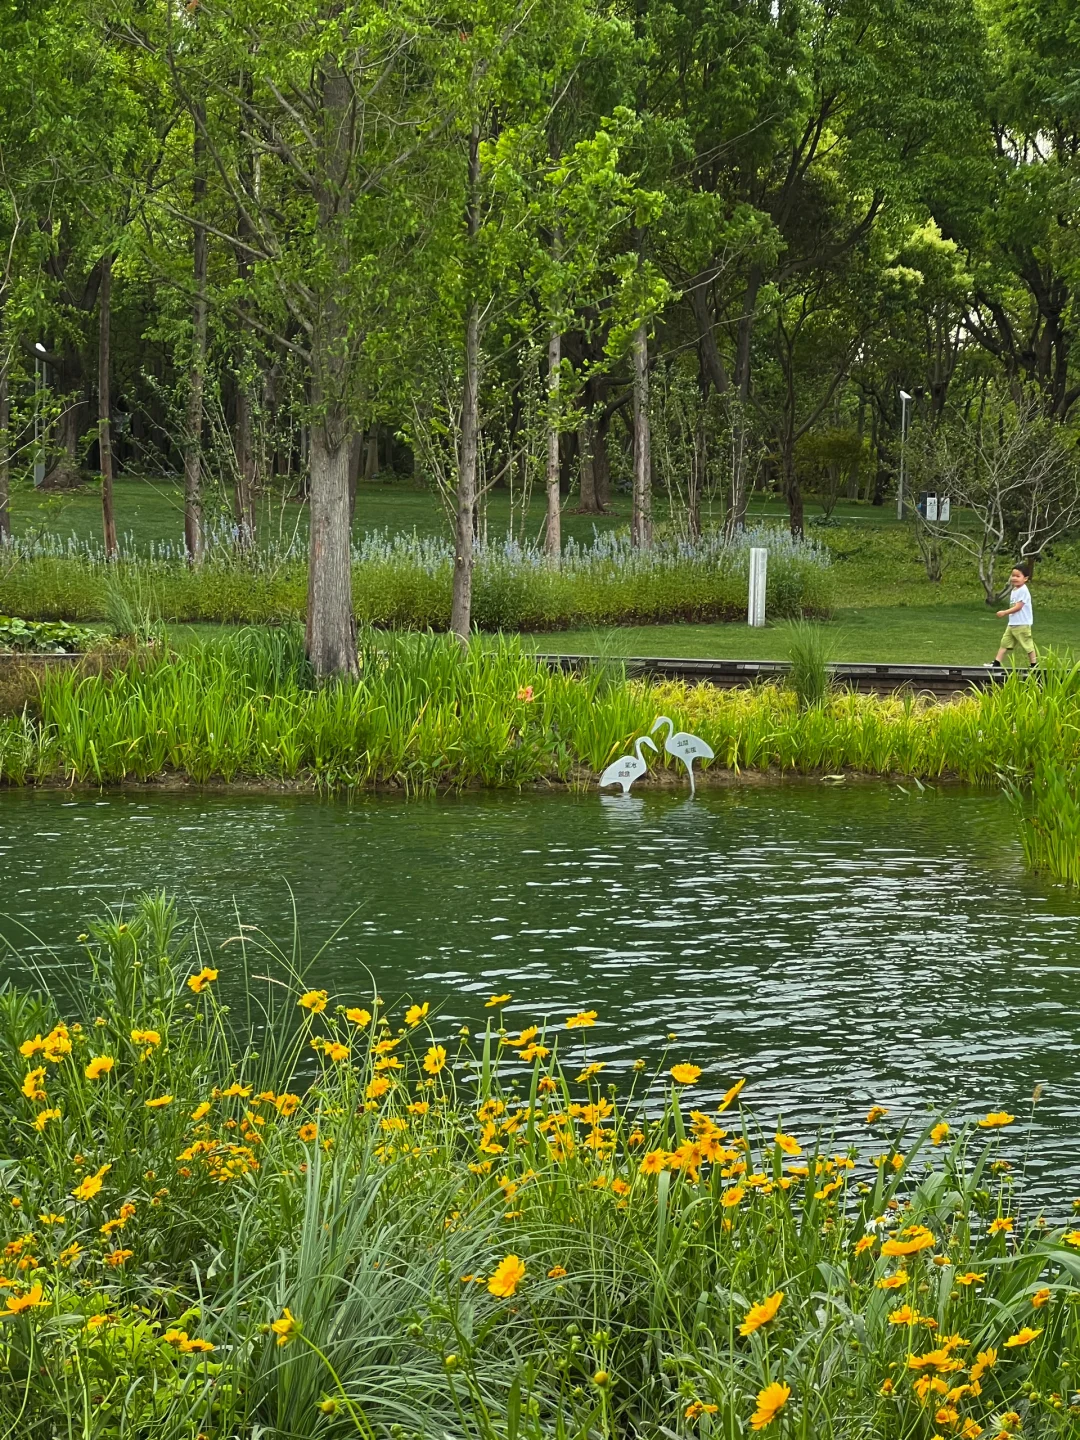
x,y
684,747
630,768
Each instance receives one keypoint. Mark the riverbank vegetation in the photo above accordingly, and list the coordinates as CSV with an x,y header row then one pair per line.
x,y
425,714
324,1215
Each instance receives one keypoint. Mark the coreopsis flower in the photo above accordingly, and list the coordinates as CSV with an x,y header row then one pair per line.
x,y
308,1131
1024,1336
1001,1225
42,1118
940,1133
876,1113
1041,1297
761,1313
697,1408
285,1327
415,1014
984,1360
506,1277
686,1074
336,1052
557,1272
16,1304
732,1196
435,1059
313,1000
731,1095
496,1000
970,1277
145,1037
1072,1237
31,1085
788,1144
377,1088
525,694
588,1073
996,1119
770,1402
547,1085
654,1162
918,1238
240,1092
287,1104
48,1218
198,983
864,1243
358,1016
70,1254
893,1282
89,1186
116,1258
905,1315
159,1103
98,1066
527,1035
582,1020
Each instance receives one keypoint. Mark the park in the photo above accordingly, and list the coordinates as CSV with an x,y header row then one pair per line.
x,y
539,720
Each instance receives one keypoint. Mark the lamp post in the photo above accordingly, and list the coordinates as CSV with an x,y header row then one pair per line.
x,y
39,458
904,401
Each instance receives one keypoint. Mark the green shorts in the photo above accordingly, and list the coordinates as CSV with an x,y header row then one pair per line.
x,y
1018,637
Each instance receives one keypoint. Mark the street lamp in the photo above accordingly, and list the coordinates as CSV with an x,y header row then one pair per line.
x,y
904,401
39,457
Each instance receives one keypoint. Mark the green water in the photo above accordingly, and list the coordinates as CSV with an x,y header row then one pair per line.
x,y
838,945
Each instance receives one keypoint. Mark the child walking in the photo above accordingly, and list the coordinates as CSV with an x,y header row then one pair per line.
x,y
1018,631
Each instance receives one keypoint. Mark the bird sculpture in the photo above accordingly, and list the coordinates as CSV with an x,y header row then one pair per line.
x,y
630,768
683,746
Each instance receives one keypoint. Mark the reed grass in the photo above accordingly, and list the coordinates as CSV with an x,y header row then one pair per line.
x,y
1048,810
425,715
324,1216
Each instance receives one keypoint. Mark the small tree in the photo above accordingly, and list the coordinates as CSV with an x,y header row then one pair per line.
x,y
1017,475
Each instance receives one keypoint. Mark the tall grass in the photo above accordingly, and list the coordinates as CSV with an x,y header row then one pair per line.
x,y
809,653
1048,809
425,715
405,582
331,1218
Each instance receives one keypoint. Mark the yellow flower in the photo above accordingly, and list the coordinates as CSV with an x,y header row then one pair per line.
x,y
285,1327
415,1014
199,982
88,1187
887,1387
145,1037
70,1254
556,1272
201,1110
697,1408
95,1322
940,1133
919,1238
435,1059
770,1402
235,1090
731,1197
31,1085
686,1074
996,1119
581,1020
1002,1225
547,1085
116,1258
1072,1237
378,1087
654,1162
904,1316
788,1144
419,1107
985,1360
761,1313
496,1000
1040,1298
336,1052
506,1277
287,1104
893,1282
47,1218
876,1113
159,1103
42,1118
970,1277
98,1066
732,1094
313,1000
1023,1336
308,1131
588,1073
358,1016
865,1242
16,1304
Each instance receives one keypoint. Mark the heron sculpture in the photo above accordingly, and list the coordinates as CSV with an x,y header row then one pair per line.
x,y
630,768
684,746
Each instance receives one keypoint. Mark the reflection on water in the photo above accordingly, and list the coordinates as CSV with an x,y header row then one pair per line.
x,y
838,945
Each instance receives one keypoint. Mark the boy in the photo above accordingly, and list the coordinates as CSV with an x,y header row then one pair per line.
x,y
1018,631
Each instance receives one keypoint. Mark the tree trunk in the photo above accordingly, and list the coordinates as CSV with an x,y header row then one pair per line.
x,y
193,429
587,502
641,517
356,455
246,468
792,488
461,606
553,538
67,379
105,460
5,454
330,636
246,457
371,458
736,519
461,601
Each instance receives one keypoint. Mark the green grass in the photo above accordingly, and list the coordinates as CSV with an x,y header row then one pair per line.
x,y
324,1216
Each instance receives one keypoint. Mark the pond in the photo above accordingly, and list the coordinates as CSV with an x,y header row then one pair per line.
x,y
839,945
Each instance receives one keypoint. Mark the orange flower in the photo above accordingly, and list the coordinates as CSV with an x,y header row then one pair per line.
x,y
309,1131
16,1304
556,1272
876,1113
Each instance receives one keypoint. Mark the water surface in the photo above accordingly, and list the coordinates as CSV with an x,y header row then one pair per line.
x,y
839,945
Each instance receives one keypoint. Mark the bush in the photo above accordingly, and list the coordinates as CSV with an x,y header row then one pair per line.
x,y
405,583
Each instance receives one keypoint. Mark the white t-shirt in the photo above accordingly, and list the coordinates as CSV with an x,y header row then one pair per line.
x,y
1022,596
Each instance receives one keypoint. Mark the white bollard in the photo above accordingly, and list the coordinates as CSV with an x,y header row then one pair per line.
x,y
755,613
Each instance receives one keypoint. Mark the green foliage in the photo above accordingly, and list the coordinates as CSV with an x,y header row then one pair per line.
x,y
45,637
810,652
320,1215
1048,810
